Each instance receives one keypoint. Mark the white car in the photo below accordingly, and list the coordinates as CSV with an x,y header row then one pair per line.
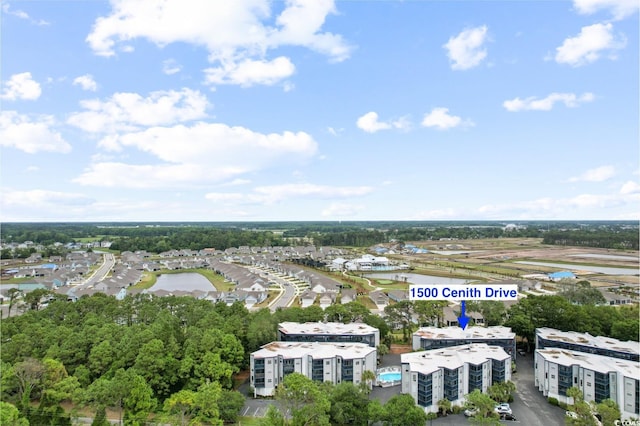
x,y
470,412
571,414
503,408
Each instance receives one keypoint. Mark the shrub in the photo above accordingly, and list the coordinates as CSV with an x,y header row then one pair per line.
x,y
553,401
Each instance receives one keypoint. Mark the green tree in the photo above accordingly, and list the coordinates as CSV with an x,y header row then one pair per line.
x,y
34,298
273,417
14,294
401,410
444,406
348,405
10,415
301,397
400,315
609,411
582,409
100,417
502,391
181,405
138,401
482,403
230,404
207,400
29,375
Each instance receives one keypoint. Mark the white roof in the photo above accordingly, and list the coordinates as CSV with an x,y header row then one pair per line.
x,y
469,333
585,339
599,363
453,357
323,328
292,350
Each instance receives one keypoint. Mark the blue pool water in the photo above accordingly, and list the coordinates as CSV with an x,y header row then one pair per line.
x,y
390,377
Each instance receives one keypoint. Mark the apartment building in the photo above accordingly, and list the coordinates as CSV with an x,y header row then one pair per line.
x,y
584,342
436,338
453,372
598,377
331,332
323,362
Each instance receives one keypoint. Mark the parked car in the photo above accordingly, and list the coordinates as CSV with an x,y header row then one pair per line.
x,y
571,414
506,416
470,412
503,408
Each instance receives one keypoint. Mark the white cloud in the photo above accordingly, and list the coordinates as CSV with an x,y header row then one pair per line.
x,y
572,207
18,131
599,174
620,9
371,124
249,72
436,214
275,193
128,111
170,67
630,187
235,33
22,15
442,120
38,199
466,50
21,86
589,45
86,82
546,104
342,210
271,194
207,153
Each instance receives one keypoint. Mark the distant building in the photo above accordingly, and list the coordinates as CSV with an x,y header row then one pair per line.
x,y
453,372
436,338
598,377
322,362
584,342
332,332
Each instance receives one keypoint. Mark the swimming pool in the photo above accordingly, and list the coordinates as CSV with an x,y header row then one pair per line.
x,y
390,377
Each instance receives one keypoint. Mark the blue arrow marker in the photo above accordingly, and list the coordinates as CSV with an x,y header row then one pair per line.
x,y
463,320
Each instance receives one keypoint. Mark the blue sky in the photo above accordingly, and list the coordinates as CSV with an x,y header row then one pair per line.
x,y
200,110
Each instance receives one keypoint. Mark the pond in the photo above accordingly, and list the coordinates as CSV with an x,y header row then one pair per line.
x,y
187,281
417,278
597,269
605,256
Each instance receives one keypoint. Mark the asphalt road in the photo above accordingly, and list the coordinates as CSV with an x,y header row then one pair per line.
x,y
109,261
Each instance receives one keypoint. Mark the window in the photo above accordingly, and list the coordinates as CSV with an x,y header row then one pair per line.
x,y
328,362
553,376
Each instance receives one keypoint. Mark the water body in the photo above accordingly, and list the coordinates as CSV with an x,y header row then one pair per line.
x,y
605,256
26,287
599,269
418,278
187,281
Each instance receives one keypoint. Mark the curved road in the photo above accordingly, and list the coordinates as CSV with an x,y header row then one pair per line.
x,y
109,261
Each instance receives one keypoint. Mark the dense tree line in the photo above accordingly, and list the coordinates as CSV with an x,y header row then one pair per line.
x,y
157,237
613,239
197,239
140,356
